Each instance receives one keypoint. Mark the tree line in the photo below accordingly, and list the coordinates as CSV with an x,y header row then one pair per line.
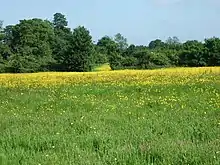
x,y
36,45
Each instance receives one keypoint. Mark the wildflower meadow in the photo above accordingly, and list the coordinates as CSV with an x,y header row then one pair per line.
x,y
125,117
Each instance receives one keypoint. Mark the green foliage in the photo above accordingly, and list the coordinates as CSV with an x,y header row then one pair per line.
x,y
108,46
100,56
62,41
159,59
156,44
115,60
8,38
80,57
32,41
121,41
41,45
173,41
1,31
61,47
212,46
1,24
129,62
193,54
60,21
143,58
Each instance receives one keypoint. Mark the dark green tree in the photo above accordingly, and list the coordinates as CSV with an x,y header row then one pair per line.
x,y
129,59
1,24
107,45
193,54
8,38
173,43
100,56
32,42
156,44
130,50
143,57
212,52
121,41
81,51
62,41
1,31
60,20
5,51
1,47
112,50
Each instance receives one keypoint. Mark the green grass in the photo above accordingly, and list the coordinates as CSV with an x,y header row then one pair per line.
x,y
110,124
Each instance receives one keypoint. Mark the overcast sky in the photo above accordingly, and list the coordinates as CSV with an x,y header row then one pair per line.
x,y
139,20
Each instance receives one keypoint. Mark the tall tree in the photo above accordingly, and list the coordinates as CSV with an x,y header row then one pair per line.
x,y
212,46
1,46
156,44
110,47
32,40
193,54
63,36
81,54
8,38
1,31
60,20
173,40
121,41
5,51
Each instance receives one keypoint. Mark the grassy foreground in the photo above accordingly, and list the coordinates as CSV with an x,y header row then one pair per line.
x,y
157,117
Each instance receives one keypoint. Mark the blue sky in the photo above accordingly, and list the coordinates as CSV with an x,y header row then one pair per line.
x,y
140,21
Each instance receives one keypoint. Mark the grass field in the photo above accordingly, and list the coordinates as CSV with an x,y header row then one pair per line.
x,y
157,117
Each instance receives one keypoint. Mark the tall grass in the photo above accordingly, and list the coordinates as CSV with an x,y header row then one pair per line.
x,y
111,123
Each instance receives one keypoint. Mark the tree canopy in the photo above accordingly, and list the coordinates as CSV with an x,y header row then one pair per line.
x,y
35,45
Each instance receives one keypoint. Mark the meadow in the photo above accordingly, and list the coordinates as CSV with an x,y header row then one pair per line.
x,y
129,117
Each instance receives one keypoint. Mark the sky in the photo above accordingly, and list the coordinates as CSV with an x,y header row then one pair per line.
x,y
140,21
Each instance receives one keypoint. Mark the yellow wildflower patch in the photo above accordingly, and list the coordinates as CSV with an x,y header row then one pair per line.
x,y
133,77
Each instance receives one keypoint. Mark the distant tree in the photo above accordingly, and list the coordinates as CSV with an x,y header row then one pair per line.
x,y
159,59
173,41
4,49
40,45
121,41
151,59
143,57
173,55
193,54
156,44
1,31
62,41
80,57
60,20
108,45
115,60
8,38
129,52
100,56
32,40
1,24
212,52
